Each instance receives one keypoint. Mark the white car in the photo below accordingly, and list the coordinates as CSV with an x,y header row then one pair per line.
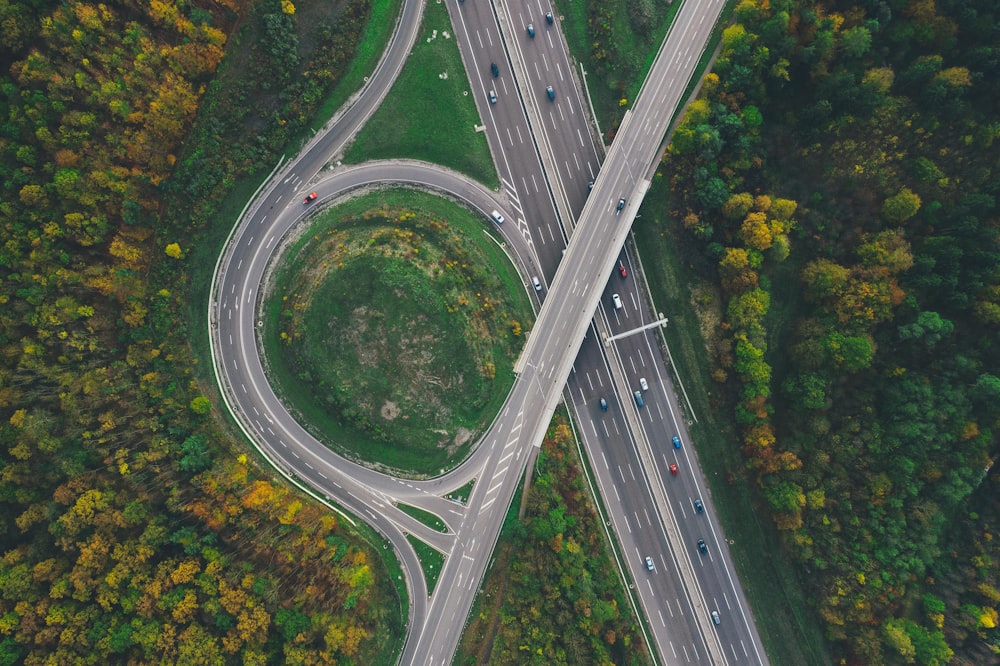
x,y
642,384
616,299
497,217
649,564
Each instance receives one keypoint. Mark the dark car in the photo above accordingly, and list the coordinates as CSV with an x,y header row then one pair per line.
x,y
621,269
551,92
702,548
698,506
494,69
548,18
310,198
531,30
621,204
604,405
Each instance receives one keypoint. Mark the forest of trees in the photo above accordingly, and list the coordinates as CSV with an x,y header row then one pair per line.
x,y
131,529
835,178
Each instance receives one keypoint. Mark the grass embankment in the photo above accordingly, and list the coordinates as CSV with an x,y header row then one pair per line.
x,y
461,495
618,55
784,618
425,517
392,328
429,114
431,561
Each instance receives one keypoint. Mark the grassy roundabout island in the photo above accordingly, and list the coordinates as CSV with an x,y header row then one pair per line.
x,y
392,323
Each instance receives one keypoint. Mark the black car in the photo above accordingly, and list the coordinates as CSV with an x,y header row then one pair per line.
x,y
548,18
494,69
702,548
621,204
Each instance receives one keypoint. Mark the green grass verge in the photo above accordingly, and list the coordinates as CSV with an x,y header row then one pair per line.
x,y
377,33
429,114
431,561
490,333
787,623
461,495
425,517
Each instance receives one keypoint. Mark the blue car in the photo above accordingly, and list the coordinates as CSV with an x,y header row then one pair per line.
x,y
698,506
551,92
638,398
604,405
677,442
531,30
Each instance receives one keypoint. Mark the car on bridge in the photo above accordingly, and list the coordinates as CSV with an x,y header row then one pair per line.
x,y
621,205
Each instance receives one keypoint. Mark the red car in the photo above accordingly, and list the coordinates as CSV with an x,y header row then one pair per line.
x,y
673,469
621,269
310,198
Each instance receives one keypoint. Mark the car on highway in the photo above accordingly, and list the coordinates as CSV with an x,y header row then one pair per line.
x,y
621,205
638,399
617,300
716,620
536,283
551,92
673,469
649,563
493,97
494,69
548,18
621,269
643,384
590,185
310,198
497,217
702,547
531,30
698,506
604,405
677,442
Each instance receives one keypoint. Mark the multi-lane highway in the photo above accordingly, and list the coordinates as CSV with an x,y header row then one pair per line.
x,y
688,593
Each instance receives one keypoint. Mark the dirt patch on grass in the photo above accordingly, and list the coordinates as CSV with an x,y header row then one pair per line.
x,y
390,410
